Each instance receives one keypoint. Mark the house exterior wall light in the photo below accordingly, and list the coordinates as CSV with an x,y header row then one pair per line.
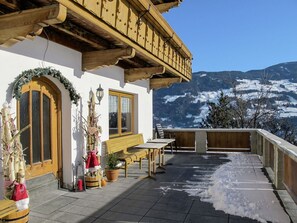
x,y
99,93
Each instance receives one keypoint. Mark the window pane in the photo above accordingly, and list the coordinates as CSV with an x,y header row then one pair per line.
x,y
46,128
113,114
24,121
36,126
126,114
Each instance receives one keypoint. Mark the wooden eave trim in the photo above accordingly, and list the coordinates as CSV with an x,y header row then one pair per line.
x,y
135,74
165,7
96,59
157,83
159,20
85,14
15,27
12,5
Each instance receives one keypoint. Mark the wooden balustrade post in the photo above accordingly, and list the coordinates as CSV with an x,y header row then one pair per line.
x,y
260,145
265,153
254,141
278,168
201,141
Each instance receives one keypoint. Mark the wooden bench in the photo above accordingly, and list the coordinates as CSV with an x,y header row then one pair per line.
x,y
123,146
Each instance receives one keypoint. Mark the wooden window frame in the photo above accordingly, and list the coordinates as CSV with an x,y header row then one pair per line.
x,y
120,95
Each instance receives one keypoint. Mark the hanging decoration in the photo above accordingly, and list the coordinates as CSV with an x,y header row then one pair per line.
x,y
92,133
14,165
27,75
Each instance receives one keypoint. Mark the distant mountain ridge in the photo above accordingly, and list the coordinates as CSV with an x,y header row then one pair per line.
x,y
185,105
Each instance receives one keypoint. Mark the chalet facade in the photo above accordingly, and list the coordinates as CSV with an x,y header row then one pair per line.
x,y
54,52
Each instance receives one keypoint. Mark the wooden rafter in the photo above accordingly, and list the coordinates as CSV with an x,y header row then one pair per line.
x,y
135,74
156,83
164,7
95,59
15,27
10,4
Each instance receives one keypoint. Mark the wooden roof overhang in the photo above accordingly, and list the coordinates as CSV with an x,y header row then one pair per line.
x,y
130,33
166,5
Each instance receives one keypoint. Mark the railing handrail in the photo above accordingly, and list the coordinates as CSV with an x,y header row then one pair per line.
x,y
283,145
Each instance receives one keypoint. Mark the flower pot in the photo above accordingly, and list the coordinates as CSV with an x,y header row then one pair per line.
x,y
92,182
112,175
18,217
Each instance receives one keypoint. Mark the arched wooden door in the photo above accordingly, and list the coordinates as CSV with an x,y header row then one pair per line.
x,y
39,106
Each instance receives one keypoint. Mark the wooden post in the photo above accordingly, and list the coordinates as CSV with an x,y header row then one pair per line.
x,y
253,141
278,168
265,153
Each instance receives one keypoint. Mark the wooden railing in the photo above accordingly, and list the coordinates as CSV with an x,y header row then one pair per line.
x,y
139,24
278,156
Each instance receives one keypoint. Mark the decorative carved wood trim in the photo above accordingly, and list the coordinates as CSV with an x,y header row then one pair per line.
x,y
164,7
94,60
13,4
148,41
156,83
135,74
15,27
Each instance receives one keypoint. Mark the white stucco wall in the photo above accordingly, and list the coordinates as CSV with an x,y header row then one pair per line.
x,y
42,53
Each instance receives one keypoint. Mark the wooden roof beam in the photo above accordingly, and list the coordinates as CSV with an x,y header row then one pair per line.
x,y
135,74
15,27
102,58
164,7
156,83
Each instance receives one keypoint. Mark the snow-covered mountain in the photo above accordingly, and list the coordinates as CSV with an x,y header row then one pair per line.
x,y
185,104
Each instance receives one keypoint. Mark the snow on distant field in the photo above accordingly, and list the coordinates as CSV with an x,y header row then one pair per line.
x,y
210,96
292,100
275,86
256,95
275,90
287,111
245,85
172,98
240,188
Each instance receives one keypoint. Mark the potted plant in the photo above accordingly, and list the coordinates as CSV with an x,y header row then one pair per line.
x,y
112,169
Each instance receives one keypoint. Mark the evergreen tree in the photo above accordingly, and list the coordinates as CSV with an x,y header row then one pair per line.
x,y
220,115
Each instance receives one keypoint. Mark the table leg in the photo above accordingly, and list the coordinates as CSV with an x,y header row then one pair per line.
x,y
163,156
149,163
154,161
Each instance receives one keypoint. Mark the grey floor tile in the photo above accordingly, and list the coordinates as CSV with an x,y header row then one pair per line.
x,y
85,211
34,219
116,216
173,207
143,197
237,219
166,215
130,209
136,203
61,201
45,209
70,217
204,208
157,220
192,218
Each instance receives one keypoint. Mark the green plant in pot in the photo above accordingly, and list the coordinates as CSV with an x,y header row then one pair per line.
x,y
112,169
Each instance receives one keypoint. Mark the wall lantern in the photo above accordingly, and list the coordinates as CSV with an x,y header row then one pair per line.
x,y
99,93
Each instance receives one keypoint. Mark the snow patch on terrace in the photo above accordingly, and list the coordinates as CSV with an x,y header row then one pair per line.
x,y
240,188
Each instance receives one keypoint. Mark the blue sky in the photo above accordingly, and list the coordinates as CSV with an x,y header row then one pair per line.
x,y
237,34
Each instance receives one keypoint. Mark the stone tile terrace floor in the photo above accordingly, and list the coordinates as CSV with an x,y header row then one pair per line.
x,y
135,199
